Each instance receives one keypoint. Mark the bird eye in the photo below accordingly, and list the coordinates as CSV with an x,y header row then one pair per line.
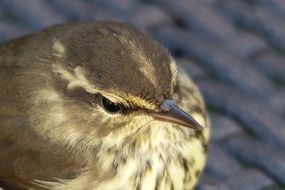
x,y
110,106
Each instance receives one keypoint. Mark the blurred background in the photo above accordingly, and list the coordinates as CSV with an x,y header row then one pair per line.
x,y
234,50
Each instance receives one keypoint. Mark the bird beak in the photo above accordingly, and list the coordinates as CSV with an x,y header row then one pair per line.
x,y
170,112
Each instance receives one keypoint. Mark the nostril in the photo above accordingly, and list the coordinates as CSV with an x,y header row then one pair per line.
x,y
167,105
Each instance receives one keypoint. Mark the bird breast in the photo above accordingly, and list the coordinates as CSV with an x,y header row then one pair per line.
x,y
162,157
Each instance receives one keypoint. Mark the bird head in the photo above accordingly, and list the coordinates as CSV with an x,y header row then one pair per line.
x,y
109,76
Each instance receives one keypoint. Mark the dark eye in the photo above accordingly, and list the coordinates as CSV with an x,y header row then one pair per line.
x,y
110,106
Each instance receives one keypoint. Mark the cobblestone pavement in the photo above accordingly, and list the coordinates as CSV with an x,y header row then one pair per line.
x,y
234,50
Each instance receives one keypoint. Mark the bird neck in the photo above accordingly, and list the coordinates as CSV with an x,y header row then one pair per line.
x,y
158,156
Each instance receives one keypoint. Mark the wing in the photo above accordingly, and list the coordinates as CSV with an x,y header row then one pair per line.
x,y
25,155
11,118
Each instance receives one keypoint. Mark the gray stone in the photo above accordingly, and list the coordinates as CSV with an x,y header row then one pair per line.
x,y
247,45
271,63
275,7
201,17
277,101
9,30
258,154
149,16
216,60
193,69
220,164
32,13
74,10
249,179
258,119
210,183
223,127
270,26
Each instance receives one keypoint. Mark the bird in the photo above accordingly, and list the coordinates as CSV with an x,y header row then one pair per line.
x,y
98,106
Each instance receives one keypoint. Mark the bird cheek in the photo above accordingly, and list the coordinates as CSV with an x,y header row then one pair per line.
x,y
110,124
103,131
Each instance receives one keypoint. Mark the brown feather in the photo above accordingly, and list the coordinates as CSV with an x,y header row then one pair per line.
x,y
53,132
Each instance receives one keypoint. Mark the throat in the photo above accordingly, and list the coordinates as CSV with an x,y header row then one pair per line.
x,y
153,160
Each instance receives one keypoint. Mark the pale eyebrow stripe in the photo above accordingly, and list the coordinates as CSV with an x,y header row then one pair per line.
x,y
58,49
78,79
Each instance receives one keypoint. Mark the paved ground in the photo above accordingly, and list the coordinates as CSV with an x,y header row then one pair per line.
x,y
233,49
